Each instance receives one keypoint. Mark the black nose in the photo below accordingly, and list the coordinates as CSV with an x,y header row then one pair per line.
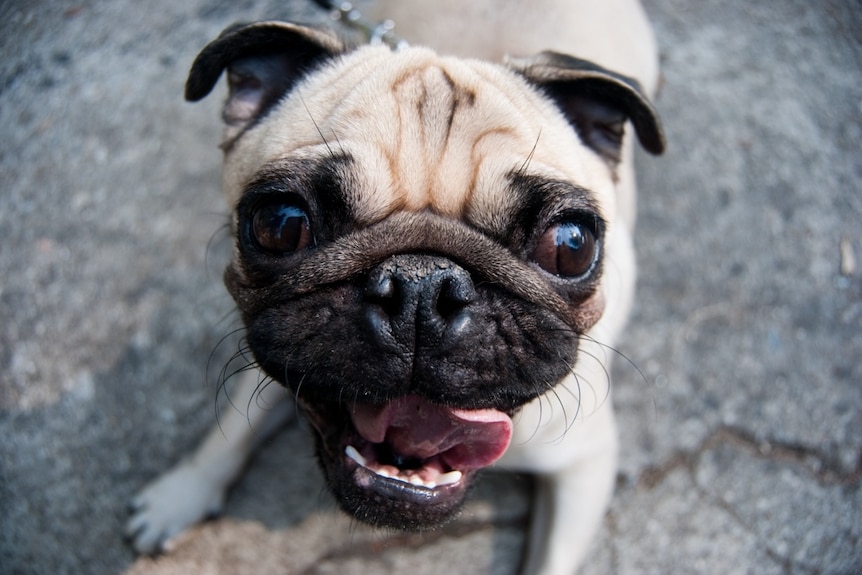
x,y
419,301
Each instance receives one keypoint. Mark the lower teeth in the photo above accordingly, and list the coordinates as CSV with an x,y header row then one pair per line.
x,y
413,479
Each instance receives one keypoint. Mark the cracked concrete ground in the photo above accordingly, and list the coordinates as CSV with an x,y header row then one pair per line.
x,y
741,424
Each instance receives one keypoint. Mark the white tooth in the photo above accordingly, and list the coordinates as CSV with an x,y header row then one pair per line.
x,y
449,478
382,472
351,452
416,480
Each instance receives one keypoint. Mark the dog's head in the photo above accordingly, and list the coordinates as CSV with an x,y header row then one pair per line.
x,y
419,244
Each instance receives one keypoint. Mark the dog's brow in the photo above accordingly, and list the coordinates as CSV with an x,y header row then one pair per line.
x,y
532,199
541,189
322,182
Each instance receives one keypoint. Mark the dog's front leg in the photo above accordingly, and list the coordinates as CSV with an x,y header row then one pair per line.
x,y
195,488
568,506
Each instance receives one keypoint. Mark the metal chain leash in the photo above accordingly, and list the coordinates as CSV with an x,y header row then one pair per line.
x,y
373,32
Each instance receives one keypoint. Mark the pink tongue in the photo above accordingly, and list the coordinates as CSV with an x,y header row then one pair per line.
x,y
415,427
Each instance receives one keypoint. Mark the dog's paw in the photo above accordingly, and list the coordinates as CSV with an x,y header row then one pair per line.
x,y
171,504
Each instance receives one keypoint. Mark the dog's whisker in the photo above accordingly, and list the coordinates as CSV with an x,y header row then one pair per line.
x,y
220,234
252,398
354,528
233,315
577,396
341,396
297,408
523,169
538,426
603,366
296,392
223,376
218,344
227,373
355,401
316,127
256,398
545,395
337,141
221,390
616,351
562,435
620,354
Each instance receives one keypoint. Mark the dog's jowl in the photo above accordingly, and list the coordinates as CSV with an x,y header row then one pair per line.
x,y
433,254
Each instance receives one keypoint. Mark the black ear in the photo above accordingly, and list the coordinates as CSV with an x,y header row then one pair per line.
x,y
264,60
596,101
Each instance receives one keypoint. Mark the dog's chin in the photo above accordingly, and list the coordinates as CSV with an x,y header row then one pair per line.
x,y
392,502
407,464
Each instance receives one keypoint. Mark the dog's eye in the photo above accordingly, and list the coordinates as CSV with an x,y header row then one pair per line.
x,y
566,249
281,228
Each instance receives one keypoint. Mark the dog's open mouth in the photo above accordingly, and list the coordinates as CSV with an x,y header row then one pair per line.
x,y
408,463
414,441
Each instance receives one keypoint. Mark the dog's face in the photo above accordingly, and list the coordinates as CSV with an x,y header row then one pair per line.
x,y
419,245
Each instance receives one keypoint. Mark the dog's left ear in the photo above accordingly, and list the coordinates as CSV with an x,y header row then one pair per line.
x,y
264,61
596,101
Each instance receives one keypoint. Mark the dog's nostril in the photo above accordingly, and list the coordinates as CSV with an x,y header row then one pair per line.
x,y
455,294
384,292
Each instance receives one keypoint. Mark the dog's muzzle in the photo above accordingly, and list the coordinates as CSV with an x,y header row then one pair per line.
x,y
410,452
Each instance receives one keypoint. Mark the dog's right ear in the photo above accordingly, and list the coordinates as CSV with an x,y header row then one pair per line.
x,y
264,61
596,101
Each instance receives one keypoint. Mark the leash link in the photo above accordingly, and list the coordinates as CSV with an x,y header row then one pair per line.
x,y
373,32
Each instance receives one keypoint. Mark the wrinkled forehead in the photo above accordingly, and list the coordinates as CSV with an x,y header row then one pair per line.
x,y
423,132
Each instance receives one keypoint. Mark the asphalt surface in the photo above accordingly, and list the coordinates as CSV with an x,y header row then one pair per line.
x,y
741,423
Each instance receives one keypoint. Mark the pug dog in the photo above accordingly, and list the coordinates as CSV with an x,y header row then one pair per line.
x,y
433,254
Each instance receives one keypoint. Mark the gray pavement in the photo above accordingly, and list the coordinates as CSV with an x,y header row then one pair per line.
x,y
741,426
